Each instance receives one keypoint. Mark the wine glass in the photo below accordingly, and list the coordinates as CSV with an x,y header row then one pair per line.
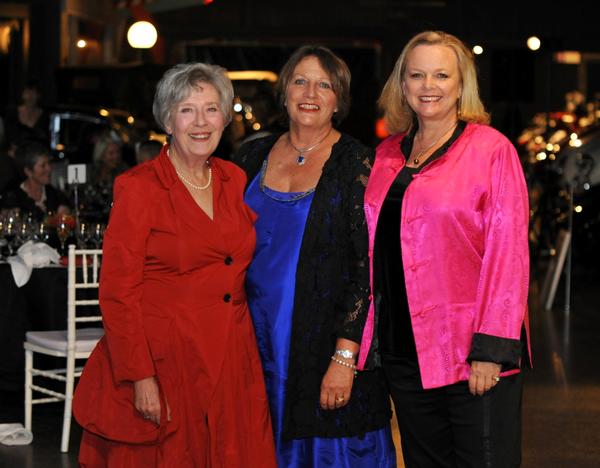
x,y
42,233
98,235
23,233
10,232
3,241
83,235
63,230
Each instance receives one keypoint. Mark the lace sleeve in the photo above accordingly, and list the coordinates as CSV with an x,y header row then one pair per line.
x,y
356,294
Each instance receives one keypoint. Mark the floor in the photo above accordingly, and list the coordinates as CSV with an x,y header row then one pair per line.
x,y
561,407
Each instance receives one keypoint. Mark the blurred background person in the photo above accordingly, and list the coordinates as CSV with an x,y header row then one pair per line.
x,y
29,120
176,381
107,160
448,213
147,150
35,194
308,284
107,165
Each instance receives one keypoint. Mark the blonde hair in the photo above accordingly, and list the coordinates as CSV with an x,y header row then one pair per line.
x,y
397,113
104,140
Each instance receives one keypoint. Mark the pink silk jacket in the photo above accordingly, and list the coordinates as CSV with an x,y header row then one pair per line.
x,y
465,253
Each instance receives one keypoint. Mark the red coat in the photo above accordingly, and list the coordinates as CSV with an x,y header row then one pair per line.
x,y
173,303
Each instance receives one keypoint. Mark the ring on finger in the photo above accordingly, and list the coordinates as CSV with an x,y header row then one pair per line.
x,y
496,378
339,399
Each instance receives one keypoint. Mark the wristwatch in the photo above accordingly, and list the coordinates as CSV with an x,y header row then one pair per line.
x,y
345,353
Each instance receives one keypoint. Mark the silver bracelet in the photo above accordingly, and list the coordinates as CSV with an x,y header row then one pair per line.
x,y
345,353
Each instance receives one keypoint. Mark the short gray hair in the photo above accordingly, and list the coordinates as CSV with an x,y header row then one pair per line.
x,y
177,83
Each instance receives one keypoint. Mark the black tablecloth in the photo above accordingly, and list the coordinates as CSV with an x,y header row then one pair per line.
x,y
40,304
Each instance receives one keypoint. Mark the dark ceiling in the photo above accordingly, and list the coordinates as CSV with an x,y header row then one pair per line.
x,y
563,25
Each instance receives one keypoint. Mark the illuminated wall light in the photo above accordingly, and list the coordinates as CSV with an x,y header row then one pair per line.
x,y
103,112
552,252
130,120
237,107
586,186
556,148
575,143
574,136
578,209
568,56
381,130
584,122
5,31
252,75
568,118
142,35
248,115
540,156
256,126
477,50
534,43
81,44
552,157
538,140
158,137
549,147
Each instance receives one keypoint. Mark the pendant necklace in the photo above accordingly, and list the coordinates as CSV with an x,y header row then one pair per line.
x,y
421,153
301,159
187,182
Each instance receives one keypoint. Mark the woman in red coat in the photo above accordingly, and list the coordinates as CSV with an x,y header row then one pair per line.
x,y
177,380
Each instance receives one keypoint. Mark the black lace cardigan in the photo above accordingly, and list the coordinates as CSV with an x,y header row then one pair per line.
x,y
331,295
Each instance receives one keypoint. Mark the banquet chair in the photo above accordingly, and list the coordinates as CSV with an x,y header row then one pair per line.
x,y
72,344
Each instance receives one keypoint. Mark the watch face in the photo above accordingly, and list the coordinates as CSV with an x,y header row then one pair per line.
x,y
345,353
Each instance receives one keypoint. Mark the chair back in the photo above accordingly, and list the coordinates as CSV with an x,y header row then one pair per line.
x,y
81,285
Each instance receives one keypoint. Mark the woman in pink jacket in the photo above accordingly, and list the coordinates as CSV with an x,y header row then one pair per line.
x,y
447,211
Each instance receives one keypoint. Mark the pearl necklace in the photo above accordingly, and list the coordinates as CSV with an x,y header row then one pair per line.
x,y
194,186
187,182
421,153
301,159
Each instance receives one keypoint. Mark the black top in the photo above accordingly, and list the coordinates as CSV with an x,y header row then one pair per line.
x,y
396,338
17,132
19,199
331,296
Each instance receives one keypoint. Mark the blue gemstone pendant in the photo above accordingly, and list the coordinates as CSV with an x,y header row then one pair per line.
x,y
301,160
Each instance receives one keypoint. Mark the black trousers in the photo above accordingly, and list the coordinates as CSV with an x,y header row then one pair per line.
x,y
448,427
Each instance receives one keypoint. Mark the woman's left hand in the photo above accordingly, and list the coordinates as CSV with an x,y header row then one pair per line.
x,y
336,386
484,376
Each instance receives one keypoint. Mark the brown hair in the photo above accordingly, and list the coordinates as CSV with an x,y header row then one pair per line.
x,y
335,67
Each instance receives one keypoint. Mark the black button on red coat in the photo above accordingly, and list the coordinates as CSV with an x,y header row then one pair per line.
x,y
227,297
228,260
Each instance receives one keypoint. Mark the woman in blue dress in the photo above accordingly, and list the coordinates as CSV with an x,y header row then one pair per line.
x,y
308,285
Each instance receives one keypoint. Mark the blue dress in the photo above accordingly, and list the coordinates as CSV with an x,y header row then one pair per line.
x,y
270,284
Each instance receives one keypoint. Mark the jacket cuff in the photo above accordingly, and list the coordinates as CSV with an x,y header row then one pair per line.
x,y
488,348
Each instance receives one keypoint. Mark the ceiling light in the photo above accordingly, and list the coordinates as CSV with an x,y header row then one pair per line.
x,y
142,35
